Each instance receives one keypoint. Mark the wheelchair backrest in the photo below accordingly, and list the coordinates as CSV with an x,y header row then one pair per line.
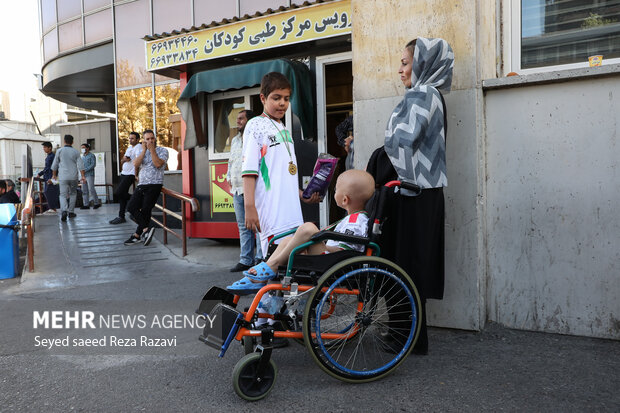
x,y
376,208
379,207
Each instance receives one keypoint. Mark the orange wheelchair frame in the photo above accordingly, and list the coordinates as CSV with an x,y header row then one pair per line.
x,y
360,319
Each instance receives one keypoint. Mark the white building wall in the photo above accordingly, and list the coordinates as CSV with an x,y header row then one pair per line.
x,y
379,38
552,207
532,228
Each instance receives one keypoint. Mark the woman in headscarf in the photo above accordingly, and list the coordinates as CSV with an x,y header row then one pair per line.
x,y
415,150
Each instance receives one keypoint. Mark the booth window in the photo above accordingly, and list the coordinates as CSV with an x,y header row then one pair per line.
x,y
551,33
168,126
223,109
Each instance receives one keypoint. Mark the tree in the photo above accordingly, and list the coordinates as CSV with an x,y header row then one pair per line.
x,y
135,107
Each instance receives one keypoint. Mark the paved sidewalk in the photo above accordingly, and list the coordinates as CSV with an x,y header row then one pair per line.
x,y
88,250
83,264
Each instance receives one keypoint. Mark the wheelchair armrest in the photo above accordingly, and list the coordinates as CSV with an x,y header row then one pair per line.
x,y
339,236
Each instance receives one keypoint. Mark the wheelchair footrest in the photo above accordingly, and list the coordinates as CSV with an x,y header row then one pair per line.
x,y
221,327
214,296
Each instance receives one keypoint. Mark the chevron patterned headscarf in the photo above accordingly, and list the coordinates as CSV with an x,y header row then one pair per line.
x,y
415,138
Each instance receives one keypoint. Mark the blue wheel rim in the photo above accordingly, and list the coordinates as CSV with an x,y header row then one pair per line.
x,y
407,344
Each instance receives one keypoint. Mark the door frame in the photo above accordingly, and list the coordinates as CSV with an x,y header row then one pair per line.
x,y
321,115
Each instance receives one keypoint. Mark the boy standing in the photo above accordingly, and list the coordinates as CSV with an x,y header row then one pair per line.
x,y
269,170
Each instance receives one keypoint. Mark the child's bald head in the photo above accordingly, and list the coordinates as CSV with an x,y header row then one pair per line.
x,y
357,185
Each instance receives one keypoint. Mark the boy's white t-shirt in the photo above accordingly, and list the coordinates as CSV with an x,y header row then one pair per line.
x,y
354,224
277,191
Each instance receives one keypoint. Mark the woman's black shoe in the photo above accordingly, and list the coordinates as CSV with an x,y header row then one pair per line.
x,y
239,267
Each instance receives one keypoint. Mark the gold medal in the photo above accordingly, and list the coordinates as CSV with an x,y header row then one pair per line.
x,y
292,168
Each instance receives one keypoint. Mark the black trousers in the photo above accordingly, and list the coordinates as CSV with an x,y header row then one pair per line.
x,y
122,192
141,203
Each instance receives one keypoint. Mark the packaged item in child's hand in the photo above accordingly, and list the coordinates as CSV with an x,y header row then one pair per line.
x,y
323,173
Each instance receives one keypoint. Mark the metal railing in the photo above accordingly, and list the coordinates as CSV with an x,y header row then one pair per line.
x,y
28,213
195,206
38,195
108,199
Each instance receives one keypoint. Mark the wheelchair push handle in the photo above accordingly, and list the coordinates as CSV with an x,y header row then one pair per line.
x,y
405,185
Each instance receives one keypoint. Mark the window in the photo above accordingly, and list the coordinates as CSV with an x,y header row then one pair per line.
x,y
132,22
48,14
90,5
222,118
169,14
70,35
50,45
68,9
91,142
252,6
97,26
207,11
134,113
168,121
551,33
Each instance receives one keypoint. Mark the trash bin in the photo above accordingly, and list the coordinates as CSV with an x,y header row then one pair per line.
x,y
9,244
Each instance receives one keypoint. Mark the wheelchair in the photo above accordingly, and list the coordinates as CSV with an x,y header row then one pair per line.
x,y
359,315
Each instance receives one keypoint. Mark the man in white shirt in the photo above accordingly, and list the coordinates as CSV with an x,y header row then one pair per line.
x,y
152,162
250,249
128,176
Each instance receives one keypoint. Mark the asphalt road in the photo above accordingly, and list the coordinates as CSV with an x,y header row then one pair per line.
x,y
494,370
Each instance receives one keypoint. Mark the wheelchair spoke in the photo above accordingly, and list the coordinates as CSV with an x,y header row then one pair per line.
x,y
364,336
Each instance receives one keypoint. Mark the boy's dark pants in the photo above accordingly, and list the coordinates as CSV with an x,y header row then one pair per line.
x,y
141,203
122,192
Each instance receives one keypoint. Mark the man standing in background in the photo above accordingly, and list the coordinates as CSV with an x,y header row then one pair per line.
x,y
89,192
128,176
65,167
51,190
250,249
152,163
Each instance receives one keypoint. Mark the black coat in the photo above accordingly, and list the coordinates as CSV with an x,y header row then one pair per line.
x,y
9,198
413,233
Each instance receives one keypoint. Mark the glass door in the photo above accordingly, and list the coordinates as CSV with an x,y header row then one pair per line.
x,y
334,104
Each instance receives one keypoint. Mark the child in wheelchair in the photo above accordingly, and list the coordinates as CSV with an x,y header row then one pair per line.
x,y
359,315
353,190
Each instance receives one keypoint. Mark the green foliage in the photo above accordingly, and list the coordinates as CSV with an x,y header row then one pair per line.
x,y
595,20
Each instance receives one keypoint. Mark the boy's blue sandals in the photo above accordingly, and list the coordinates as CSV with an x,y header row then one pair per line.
x,y
246,285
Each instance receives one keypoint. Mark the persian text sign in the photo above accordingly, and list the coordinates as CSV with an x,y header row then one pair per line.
x,y
294,26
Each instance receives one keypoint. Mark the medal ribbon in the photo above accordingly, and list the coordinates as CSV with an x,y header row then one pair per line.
x,y
286,135
264,171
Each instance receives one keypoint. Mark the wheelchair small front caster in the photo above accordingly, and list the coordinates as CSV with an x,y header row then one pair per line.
x,y
248,383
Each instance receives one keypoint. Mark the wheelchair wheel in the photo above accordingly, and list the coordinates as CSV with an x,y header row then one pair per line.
x,y
247,383
362,319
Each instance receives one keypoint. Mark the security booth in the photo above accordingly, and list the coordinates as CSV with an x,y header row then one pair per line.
x,y
220,67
